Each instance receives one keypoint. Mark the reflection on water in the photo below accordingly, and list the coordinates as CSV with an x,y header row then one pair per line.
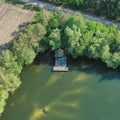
x,y
89,91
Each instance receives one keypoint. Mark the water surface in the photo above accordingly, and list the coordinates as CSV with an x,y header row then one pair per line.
x,y
89,91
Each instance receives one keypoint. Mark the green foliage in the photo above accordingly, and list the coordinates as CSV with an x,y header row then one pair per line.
x,y
107,8
54,39
27,44
54,23
76,2
42,17
13,1
26,56
30,7
80,37
75,34
44,44
74,41
8,61
67,2
31,36
9,81
3,96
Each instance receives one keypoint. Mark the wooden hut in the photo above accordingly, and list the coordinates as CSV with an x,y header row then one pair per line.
x,y
60,61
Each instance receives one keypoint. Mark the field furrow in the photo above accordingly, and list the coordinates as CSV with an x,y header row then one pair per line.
x,y
11,18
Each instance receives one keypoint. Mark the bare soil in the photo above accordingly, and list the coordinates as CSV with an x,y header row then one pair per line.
x,y
11,18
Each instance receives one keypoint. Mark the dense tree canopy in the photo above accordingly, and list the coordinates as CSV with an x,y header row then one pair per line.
x,y
8,61
81,37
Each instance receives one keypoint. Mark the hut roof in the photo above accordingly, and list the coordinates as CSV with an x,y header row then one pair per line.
x,y
59,53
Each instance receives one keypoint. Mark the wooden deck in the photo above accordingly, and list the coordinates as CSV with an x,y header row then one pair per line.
x,y
59,68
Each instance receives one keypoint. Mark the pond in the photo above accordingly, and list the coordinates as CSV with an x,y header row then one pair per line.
x,y
89,91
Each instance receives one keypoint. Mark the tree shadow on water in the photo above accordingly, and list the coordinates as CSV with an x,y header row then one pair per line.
x,y
45,58
91,66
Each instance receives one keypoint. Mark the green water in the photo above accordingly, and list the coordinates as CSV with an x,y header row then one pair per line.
x,y
89,91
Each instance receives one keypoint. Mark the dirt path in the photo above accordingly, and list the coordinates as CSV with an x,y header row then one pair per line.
x,y
51,7
11,18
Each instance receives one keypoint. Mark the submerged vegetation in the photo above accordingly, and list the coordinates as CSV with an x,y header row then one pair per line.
x,y
50,31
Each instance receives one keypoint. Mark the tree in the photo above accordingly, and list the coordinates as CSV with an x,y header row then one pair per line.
x,y
9,62
114,60
30,37
3,96
25,56
9,81
54,39
42,17
53,23
74,41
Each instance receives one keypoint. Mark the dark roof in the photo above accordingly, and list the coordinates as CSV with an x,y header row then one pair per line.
x,y
59,53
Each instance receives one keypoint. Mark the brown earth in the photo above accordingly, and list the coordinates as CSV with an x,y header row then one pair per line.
x,y
11,18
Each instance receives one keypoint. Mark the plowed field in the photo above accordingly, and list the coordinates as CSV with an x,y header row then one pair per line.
x,y
11,18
